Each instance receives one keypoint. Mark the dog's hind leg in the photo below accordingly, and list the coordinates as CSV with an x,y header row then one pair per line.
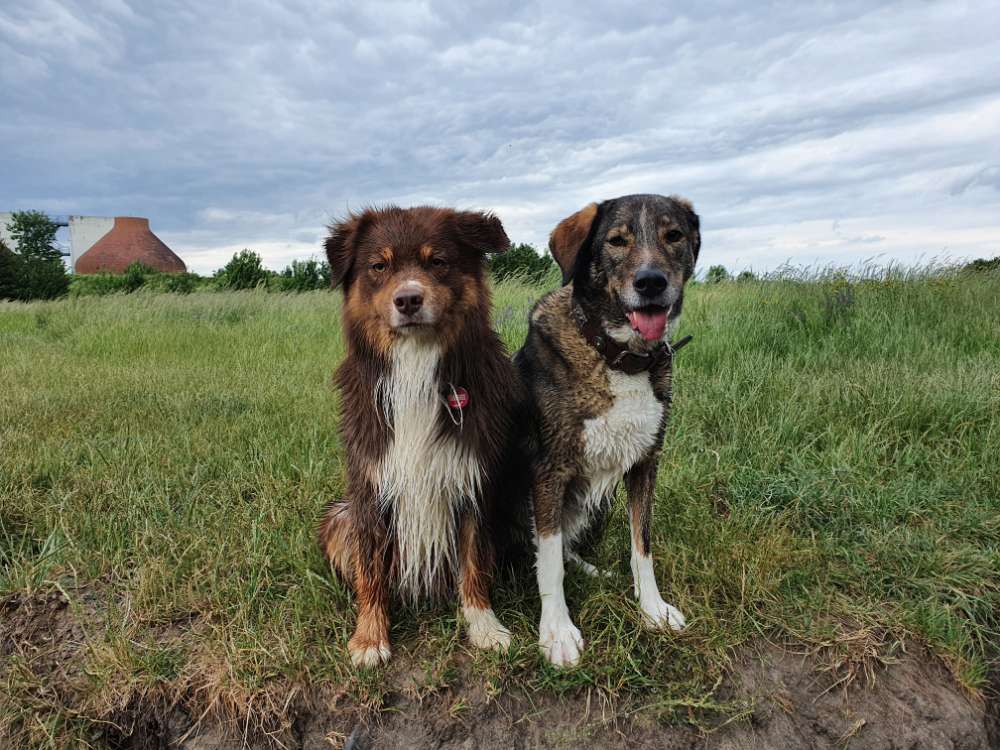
x,y
476,578
591,570
369,646
358,551
372,563
337,539
587,543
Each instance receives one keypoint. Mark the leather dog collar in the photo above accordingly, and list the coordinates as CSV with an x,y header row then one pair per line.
x,y
620,357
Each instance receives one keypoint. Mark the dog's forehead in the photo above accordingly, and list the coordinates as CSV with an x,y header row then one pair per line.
x,y
409,230
638,212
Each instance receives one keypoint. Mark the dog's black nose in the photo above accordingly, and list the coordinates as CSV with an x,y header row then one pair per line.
x,y
408,301
650,283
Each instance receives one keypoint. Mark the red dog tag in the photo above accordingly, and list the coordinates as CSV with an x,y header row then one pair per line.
x,y
459,399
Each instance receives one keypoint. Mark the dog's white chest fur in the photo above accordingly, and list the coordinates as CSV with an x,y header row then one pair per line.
x,y
616,440
423,478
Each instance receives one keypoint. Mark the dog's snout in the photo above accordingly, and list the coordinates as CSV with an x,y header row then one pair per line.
x,y
650,283
408,299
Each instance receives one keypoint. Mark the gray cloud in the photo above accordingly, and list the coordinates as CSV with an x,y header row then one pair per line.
x,y
803,133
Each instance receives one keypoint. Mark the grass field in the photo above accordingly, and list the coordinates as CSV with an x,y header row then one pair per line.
x,y
831,475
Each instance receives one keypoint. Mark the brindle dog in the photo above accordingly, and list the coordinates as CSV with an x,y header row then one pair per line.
x,y
597,364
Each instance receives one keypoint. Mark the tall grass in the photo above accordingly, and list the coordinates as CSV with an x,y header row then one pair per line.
x,y
832,464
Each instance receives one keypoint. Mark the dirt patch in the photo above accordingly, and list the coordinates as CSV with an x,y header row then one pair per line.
x,y
910,703
792,699
41,640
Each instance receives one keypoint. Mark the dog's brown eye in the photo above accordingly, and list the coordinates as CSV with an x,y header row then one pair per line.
x,y
618,241
674,235
439,263
378,267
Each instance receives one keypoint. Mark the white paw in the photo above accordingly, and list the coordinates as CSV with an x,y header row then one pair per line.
x,y
485,630
560,641
658,615
369,656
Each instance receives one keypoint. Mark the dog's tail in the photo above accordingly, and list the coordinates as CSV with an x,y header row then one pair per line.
x,y
336,538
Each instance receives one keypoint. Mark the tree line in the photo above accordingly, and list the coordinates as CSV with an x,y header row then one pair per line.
x,y
35,269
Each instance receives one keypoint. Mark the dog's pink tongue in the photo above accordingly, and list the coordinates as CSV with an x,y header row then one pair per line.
x,y
649,325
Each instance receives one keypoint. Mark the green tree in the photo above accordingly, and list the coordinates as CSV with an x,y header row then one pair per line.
x,y
521,260
10,273
983,264
42,273
716,274
244,271
305,275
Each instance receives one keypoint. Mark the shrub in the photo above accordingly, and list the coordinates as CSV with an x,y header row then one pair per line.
x,y
136,277
40,273
716,275
10,272
243,271
96,284
99,284
981,265
44,279
745,276
176,283
304,276
522,261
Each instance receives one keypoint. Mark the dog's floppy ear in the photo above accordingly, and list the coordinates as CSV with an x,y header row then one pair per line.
x,y
481,231
694,223
568,237
342,243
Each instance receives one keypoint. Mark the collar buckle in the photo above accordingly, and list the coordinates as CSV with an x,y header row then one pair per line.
x,y
632,363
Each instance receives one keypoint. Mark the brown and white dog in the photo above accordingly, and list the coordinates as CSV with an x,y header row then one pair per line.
x,y
426,396
597,366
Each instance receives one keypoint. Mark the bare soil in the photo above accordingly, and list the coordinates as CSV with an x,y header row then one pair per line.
x,y
792,700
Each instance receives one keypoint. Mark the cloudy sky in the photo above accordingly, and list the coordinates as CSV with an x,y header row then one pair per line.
x,y
817,134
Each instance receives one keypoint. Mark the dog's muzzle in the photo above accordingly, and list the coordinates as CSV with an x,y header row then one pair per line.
x,y
409,308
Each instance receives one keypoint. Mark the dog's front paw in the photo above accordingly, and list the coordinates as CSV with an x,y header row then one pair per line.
x,y
368,654
560,641
485,630
658,615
